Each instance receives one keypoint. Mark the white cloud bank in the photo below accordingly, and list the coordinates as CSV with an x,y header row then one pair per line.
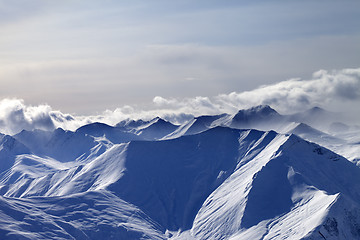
x,y
326,89
323,89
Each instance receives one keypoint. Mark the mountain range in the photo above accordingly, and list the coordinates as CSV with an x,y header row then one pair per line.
x,y
254,174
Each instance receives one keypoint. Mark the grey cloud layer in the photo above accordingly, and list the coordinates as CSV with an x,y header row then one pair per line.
x,y
326,89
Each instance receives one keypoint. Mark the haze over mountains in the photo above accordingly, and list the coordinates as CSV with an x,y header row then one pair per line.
x,y
336,90
255,174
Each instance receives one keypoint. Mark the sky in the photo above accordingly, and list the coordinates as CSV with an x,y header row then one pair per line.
x,y
91,57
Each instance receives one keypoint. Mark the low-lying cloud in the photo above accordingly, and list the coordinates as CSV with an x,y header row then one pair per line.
x,y
325,88
15,116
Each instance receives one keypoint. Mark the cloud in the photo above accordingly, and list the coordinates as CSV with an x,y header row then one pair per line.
x,y
128,52
324,89
177,70
15,116
335,90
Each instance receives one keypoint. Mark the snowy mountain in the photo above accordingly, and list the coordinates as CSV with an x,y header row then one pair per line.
x,y
198,125
113,134
65,146
89,215
132,124
262,116
204,179
277,193
316,117
156,129
9,149
336,143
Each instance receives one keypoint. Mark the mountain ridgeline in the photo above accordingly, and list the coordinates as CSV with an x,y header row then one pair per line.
x,y
255,174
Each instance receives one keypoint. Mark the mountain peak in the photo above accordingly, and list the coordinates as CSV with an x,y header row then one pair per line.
x,y
262,109
157,128
316,109
131,123
94,126
254,114
158,120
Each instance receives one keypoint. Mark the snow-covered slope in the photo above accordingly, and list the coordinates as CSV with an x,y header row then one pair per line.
x,y
90,215
222,183
337,143
198,125
262,117
65,146
286,192
113,134
156,129
132,124
9,149
214,177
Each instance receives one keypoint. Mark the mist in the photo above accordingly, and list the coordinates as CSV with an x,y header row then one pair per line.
x,y
337,91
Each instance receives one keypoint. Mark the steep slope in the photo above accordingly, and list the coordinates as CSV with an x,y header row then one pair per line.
x,y
64,146
113,134
222,183
30,171
156,129
130,124
172,178
309,133
168,180
341,146
261,117
9,149
153,129
198,125
286,192
91,215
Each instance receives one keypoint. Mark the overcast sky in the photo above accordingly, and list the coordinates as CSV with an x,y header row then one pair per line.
x,y
84,57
